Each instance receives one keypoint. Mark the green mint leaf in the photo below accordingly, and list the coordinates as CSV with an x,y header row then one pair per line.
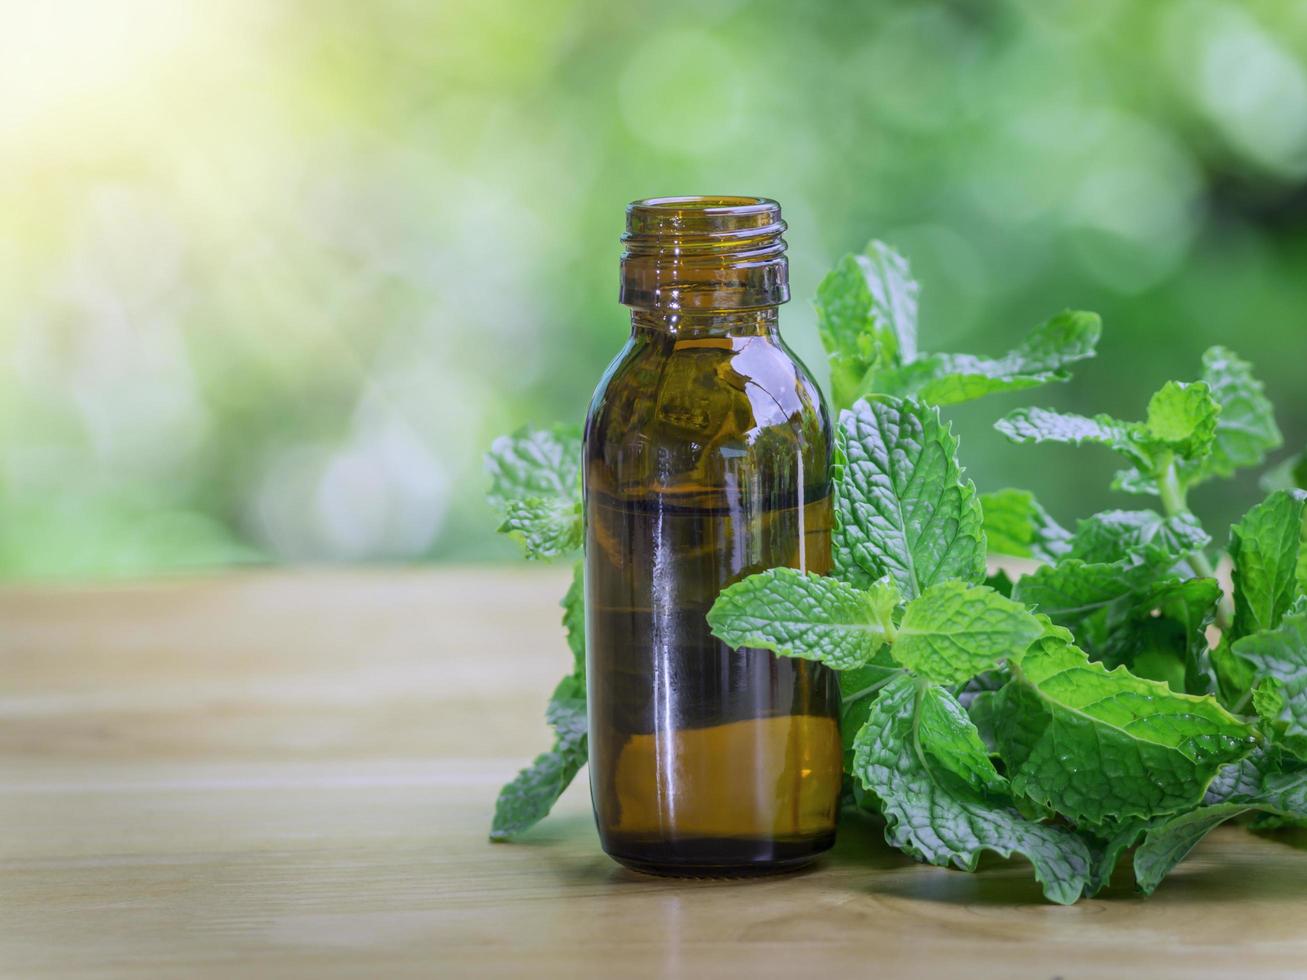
x,y
1182,418
573,603
1143,535
566,711
867,318
1074,589
535,482
1169,841
546,526
1159,632
854,342
1245,429
1033,424
952,632
1106,845
943,379
532,794
1015,524
1131,480
1181,423
952,746
1268,697
1279,719
858,690
901,507
813,617
1234,675
1288,474
1185,608
893,294
1243,780
528,799
942,798
1268,553
1069,337
1001,582
1280,655
1099,745
535,464
844,320
983,714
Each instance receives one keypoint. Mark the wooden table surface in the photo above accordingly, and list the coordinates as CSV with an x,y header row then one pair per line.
x,y
291,774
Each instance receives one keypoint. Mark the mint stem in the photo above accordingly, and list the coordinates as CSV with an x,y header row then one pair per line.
x,y
1174,503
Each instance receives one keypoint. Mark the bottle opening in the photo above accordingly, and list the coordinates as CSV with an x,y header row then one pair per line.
x,y
704,253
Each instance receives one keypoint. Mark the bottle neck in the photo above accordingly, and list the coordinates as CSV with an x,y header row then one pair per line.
x,y
762,322
712,256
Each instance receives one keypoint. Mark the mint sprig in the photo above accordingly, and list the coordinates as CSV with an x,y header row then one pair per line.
x,y
1112,698
901,506
944,802
867,318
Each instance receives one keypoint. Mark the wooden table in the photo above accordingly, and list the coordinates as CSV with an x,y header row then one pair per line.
x,y
291,774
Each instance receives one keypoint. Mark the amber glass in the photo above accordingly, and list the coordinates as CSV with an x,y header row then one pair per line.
x,y
707,453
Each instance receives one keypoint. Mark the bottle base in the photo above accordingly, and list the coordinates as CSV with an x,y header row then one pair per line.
x,y
715,858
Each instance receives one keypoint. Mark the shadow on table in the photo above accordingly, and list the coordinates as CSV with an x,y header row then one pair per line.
x,y
1225,876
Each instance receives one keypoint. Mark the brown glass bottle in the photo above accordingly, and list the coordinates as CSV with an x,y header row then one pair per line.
x,y
707,452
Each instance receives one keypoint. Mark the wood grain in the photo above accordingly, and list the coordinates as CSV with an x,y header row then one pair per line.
x,y
290,774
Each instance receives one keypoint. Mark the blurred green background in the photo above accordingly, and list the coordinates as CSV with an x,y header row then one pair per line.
x,y
273,274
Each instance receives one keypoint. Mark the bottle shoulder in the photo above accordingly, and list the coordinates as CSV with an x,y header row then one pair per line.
x,y
695,407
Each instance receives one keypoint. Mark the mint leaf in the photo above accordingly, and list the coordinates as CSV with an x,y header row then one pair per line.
x,y
953,631
535,482
943,801
901,508
1288,474
1099,745
573,603
547,527
1143,535
943,379
1184,609
1169,841
1015,524
983,715
1243,780
528,798
867,318
1267,550
1074,589
1033,424
1182,418
535,464
853,340
1181,424
1245,429
1069,337
1001,582
1158,632
1108,842
808,616
1280,654
858,690
893,293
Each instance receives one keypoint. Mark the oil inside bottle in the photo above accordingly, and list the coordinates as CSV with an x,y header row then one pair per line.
x,y
704,758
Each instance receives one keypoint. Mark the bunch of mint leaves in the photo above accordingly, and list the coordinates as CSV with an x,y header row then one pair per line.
x,y
1112,698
